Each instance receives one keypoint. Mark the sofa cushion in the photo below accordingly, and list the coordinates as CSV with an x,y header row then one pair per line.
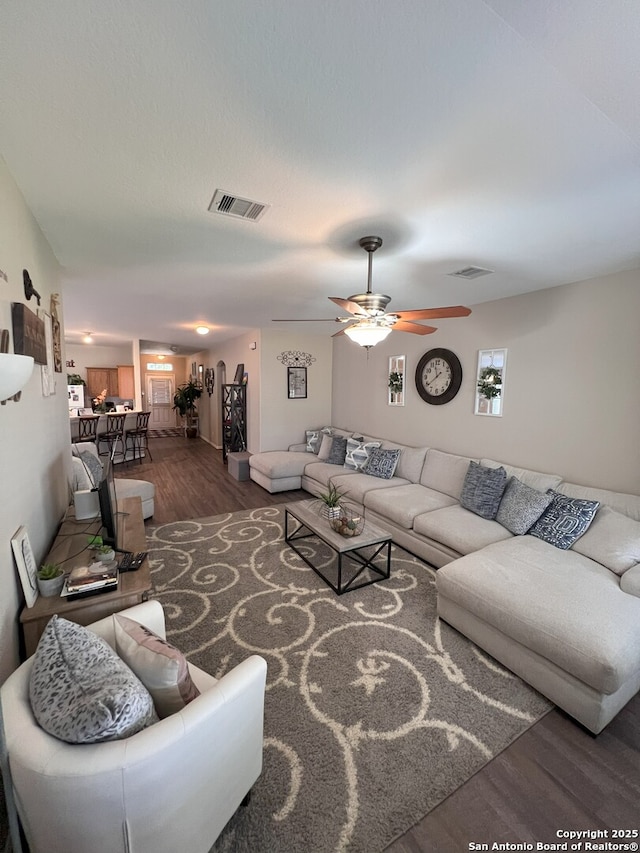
x,y
403,503
482,490
382,463
338,450
411,460
358,450
160,666
621,502
630,581
357,485
535,479
444,472
280,463
521,506
81,692
612,539
561,605
459,529
564,520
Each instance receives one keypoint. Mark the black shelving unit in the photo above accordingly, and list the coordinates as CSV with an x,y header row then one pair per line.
x,y
234,419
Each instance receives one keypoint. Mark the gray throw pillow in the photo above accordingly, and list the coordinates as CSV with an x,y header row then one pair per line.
x,y
521,506
338,450
482,489
382,463
81,692
93,466
358,452
565,520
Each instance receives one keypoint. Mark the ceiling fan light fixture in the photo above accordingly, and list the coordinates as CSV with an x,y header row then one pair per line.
x,y
87,339
202,330
367,333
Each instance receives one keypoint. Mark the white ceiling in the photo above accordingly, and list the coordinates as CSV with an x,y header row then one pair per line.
x,y
504,134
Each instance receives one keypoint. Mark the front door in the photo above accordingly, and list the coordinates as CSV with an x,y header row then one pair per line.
x,y
160,401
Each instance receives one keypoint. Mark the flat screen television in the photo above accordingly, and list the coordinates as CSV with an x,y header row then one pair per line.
x,y
108,506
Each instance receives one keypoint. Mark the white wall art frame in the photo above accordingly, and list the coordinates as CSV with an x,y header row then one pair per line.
x,y
490,382
396,380
26,563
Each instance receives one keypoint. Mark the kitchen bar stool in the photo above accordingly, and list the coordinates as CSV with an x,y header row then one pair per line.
x,y
87,429
113,434
138,437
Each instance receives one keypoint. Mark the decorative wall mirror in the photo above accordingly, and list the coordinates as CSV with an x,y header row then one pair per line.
x,y
490,382
395,382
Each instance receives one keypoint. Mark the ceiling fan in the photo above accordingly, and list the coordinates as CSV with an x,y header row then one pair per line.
x,y
370,322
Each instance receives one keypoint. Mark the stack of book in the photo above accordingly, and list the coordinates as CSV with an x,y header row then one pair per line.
x,y
91,579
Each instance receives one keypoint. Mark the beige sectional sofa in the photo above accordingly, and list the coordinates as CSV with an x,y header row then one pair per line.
x,y
566,621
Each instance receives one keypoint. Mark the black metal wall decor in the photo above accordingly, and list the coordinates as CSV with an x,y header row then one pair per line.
x,y
295,358
209,380
29,289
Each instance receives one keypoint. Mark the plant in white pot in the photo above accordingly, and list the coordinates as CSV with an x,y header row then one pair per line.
x,y
105,553
50,579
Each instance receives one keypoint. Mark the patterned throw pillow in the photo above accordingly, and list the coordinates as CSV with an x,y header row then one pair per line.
x,y
482,489
338,450
521,506
81,692
160,666
565,520
313,438
358,452
93,466
382,463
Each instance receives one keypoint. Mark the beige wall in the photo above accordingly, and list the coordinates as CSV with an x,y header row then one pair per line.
x,y
572,396
34,450
94,355
274,421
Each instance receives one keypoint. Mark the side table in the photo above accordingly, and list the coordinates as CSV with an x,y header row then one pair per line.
x,y
70,548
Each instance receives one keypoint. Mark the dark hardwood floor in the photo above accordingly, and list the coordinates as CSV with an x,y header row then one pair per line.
x,y
556,777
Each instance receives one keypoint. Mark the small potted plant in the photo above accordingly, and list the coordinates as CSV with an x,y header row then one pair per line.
x,y
330,502
50,579
105,553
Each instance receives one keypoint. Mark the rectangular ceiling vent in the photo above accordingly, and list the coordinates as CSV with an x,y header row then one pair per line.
x,y
233,205
471,272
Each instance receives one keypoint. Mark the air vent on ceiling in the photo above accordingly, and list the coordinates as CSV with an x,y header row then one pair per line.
x,y
233,205
471,272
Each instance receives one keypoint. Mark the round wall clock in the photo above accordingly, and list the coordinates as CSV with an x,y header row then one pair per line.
x,y
438,376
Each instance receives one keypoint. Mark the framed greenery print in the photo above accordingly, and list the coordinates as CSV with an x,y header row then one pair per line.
x,y
490,380
395,385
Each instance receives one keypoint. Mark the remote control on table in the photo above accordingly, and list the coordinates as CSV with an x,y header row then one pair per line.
x,y
130,562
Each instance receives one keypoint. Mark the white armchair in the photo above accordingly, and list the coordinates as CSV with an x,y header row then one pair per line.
x,y
170,787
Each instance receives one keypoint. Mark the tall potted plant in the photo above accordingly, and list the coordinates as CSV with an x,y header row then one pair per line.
x,y
184,401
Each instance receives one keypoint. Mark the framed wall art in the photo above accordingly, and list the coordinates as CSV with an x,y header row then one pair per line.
x,y
297,383
395,385
26,563
490,380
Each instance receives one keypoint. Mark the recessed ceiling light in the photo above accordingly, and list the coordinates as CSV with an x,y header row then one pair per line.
x,y
87,338
202,330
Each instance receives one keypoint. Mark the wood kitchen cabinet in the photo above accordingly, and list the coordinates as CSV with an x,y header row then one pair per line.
x,y
99,378
117,380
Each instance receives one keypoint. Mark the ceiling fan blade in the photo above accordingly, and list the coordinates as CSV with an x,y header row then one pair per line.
x,y
434,313
347,305
341,332
321,320
414,328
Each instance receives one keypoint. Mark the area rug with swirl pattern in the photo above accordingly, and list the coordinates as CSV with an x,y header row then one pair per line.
x,y
375,710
